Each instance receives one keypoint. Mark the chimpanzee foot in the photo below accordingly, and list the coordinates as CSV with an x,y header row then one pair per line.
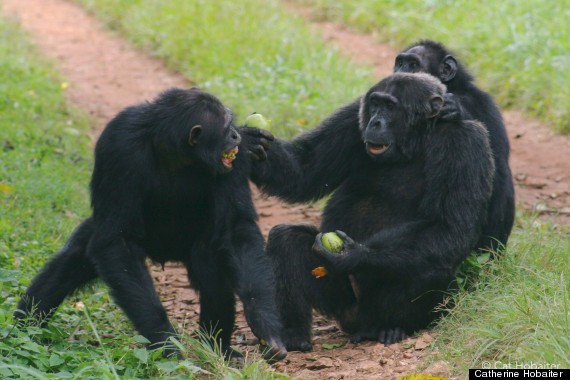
x,y
391,336
297,343
273,350
362,336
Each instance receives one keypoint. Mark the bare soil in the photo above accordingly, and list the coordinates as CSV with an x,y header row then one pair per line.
x,y
105,74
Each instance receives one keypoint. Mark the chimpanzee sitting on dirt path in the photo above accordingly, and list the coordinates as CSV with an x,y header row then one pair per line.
x,y
410,191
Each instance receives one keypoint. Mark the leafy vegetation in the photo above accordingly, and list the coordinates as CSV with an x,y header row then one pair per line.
x,y
519,54
45,162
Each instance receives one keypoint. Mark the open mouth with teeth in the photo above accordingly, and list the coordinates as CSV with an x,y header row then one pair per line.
x,y
376,149
229,156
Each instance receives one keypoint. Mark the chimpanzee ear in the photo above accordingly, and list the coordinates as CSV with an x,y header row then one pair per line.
x,y
436,103
447,68
195,133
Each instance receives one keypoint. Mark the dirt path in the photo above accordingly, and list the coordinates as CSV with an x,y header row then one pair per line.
x,y
105,74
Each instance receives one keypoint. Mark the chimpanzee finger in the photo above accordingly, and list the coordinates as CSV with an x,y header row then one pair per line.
x,y
391,336
330,261
266,134
258,153
318,246
344,236
264,143
451,109
258,133
348,242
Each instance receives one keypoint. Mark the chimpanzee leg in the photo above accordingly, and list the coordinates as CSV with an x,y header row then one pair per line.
x,y
254,282
217,300
69,270
121,264
298,291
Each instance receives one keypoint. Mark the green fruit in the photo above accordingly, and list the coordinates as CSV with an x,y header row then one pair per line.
x,y
257,120
332,242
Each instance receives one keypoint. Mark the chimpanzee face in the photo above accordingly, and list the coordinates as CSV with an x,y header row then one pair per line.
x,y
431,59
193,128
413,60
393,111
382,125
215,140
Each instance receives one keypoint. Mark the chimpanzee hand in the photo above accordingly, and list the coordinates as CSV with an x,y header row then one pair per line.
x,y
331,260
452,109
255,141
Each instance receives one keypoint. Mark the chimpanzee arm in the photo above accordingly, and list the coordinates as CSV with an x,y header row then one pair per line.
x,y
252,277
459,172
313,164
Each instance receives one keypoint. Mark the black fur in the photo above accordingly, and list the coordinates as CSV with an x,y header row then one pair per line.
x,y
411,214
161,191
473,103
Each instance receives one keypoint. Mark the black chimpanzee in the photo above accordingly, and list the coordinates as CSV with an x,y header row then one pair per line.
x,y
410,197
470,102
167,185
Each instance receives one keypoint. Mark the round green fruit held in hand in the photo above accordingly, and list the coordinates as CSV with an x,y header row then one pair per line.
x,y
257,120
332,242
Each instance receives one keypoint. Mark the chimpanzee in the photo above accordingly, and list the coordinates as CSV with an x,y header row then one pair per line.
x,y
169,184
471,103
409,197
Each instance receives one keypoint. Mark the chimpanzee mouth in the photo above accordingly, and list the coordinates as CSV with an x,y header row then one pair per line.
x,y
229,156
376,149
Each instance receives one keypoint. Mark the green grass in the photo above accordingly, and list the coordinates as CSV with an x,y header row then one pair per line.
x,y
45,164
251,53
520,312
519,50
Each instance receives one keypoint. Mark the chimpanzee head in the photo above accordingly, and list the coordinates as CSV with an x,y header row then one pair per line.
x,y
396,111
431,57
195,128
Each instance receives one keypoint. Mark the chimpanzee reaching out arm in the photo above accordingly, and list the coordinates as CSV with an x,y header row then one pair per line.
x,y
313,164
170,183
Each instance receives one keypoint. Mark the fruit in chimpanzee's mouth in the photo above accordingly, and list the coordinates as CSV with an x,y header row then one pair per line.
x,y
229,156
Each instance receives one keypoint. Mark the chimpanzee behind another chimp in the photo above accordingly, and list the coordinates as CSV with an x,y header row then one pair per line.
x,y
168,185
471,103
410,197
